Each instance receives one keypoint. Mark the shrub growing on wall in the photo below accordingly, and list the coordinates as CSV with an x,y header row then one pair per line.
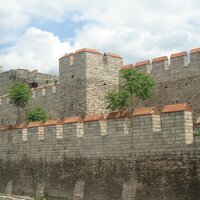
x,y
19,95
37,114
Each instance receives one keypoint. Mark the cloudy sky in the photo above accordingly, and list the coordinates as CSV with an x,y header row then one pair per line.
x,y
35,33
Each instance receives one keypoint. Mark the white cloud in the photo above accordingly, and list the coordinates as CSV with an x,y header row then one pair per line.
x,y
12,16
36,49
135,29
145,29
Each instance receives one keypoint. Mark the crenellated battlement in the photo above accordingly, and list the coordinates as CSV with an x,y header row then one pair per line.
x,y
93,51
46,90
32,78
86,75
117,134
179,65
88,54
85,152
46,96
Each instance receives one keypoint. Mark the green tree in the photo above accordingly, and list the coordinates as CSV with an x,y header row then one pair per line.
x,y
19,95
118,100
137,87
37,114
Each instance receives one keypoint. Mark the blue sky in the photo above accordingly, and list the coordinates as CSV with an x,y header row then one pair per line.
x,y
35,33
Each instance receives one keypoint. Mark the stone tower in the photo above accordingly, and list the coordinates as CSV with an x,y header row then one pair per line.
x,y
85,77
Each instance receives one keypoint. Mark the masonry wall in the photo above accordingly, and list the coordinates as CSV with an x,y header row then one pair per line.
x,y
147,156
85,77
179,66
115,136
102,77
176,79
154,177
181,90
8,114
46,97
72,85
33,78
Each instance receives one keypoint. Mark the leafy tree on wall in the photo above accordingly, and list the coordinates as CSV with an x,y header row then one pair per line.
x,y
19,95
37,114
136,87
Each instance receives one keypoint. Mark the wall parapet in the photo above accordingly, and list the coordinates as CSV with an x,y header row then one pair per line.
x,y
196,50
176,108
45,90
91,51
146,111
160,59
117,134
101,117
176,66
46,96
180,54
85,56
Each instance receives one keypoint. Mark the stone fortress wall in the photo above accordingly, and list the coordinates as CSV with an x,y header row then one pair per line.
x,y
116,135
45,89
176,80
162,69
113,156
46,96
87,75
98,157
32,78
